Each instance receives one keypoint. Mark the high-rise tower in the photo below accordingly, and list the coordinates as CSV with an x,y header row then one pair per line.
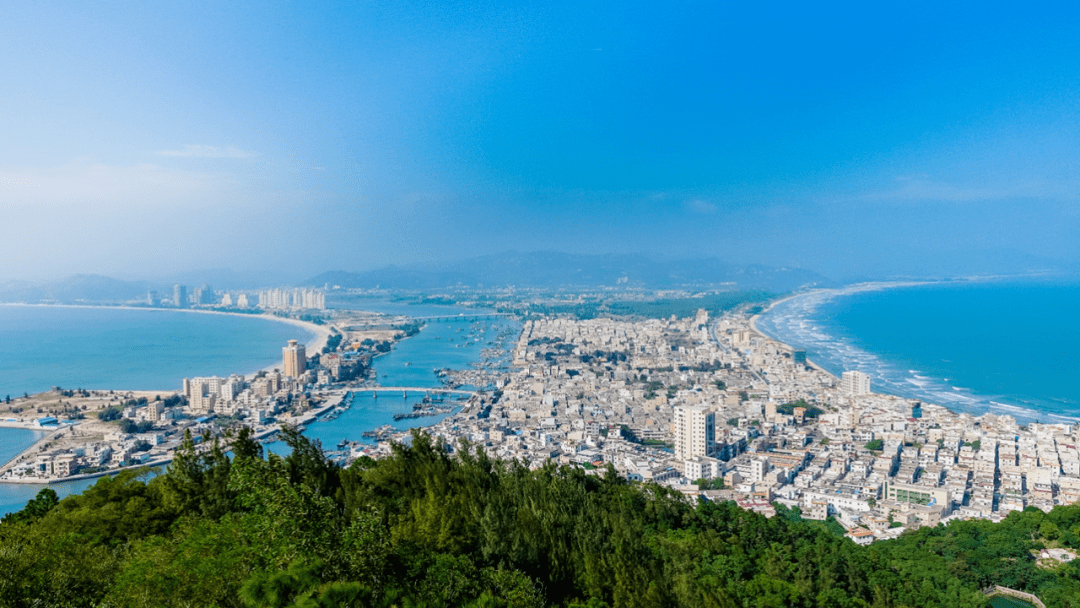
x,y
694,428
855,383
294,359
180,299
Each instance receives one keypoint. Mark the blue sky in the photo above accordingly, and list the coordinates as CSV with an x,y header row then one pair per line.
x,y
853,139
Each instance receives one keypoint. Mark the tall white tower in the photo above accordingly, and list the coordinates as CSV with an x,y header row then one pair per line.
x,y
694,427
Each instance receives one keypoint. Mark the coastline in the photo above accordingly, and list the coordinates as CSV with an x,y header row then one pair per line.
x,y
50,435
932,390
314,345
321,334
18,424
834,292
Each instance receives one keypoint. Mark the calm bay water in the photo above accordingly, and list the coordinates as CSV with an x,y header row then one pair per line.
x,y
446,344
135,349
107,348
13,496
1000,347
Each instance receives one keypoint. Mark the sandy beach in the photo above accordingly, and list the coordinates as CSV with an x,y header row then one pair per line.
x,y
838,291
314,346
19,424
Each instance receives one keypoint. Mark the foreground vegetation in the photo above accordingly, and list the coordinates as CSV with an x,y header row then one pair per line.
x,y
424,528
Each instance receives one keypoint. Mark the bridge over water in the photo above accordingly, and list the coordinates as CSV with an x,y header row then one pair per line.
x,y
464,317
415,389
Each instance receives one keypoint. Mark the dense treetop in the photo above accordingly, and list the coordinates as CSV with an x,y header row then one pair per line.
x,y
427,527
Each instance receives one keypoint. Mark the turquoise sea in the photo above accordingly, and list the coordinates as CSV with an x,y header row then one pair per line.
x,y
109,348
176,342
130,348
1006,347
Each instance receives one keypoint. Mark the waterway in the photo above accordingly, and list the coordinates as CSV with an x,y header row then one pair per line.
x,y
455,344
1004,601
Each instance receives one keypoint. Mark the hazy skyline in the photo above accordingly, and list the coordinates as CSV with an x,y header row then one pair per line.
x,y
850,140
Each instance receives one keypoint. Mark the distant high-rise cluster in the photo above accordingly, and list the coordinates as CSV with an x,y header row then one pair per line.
x,y
180,299
204,295
292,298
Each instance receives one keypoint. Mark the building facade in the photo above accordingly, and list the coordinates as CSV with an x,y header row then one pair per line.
x,y
294,359
855,383
180,298
694,428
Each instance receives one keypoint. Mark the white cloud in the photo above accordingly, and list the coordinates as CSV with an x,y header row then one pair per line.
x,y
87,216
199,151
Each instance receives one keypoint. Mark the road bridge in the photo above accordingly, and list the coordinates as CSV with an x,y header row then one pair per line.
x,y
415,389
463,317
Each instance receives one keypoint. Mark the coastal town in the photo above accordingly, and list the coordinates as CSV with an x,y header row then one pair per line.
x,y
707,406
716,410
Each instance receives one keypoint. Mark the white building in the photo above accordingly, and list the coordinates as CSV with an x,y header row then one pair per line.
x,y
297,298
855,383
695,431
703,467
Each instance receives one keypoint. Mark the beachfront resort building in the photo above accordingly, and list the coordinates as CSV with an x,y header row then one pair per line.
x,y
855,383
294,298
294,359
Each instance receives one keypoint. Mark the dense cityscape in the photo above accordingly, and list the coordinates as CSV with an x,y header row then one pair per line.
x,y
539,305
709,407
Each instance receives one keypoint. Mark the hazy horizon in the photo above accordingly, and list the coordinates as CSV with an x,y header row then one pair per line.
x,y
853,141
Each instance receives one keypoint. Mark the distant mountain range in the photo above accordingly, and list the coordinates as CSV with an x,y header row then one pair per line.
x,y
543,270
556,270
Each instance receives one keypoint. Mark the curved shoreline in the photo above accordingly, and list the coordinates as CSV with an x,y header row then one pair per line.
x,y
314,345
836,291
988,404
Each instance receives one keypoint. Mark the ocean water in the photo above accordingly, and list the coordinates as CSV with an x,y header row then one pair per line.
x,y
136,349
104,348
13,496
447,344
1005,347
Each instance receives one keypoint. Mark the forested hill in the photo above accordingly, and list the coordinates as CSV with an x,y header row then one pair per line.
x,y
423,528
549,270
